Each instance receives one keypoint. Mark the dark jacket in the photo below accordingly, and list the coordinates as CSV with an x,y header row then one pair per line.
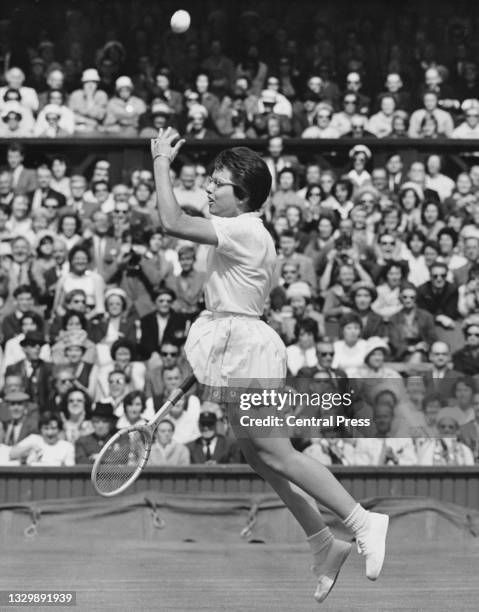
x,y
466,362
174,332
374,326
443,386
38,384
226,451
426,331
99,327
29,426
442,303
86,446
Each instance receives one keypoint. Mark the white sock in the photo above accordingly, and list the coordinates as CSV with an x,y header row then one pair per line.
x,y
320,543
357,520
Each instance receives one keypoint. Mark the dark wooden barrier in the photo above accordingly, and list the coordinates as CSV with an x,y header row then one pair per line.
x,y
457,485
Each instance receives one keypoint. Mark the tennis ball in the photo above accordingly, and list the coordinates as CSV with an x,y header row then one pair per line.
x,y
180,22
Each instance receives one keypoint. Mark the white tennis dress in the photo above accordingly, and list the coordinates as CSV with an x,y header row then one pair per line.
x,y
228,341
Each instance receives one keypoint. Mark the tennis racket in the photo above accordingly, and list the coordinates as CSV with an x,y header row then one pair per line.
x,y
121,460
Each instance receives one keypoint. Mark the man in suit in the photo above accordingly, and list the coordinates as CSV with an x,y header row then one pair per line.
x,y
6,188
43,190
103,421
103,248
24,180
439,297
162,325
36,374
77,203
441,379
276,161
395,175
471,253
211,448
23,302
19,425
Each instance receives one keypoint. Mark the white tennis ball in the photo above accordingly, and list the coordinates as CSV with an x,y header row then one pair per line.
x,y
180,22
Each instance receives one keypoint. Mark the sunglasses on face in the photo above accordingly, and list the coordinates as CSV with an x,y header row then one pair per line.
x,y
326,353
472,334
438,275
387,243
164,301
169,354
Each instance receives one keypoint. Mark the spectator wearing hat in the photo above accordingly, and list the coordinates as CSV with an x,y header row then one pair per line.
x,y
88,104
165,451
36,374
321,127
374,367
123,110
19,424
103,421
46,449
469,128
266,109
164,324
116,323
15,79
466,359
24,180
13,352
12,116
362,295
196,128
359,155
75,354
55,104
445,450
212,448
304,112
160,116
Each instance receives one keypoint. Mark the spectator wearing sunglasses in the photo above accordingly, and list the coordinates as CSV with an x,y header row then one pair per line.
x,y
466,359
439,297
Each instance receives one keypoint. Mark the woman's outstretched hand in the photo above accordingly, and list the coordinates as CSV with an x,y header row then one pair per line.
x,y
163,145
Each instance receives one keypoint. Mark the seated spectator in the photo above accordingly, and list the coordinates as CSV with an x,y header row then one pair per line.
x,y
442,377
387,303
289,254
163,90
466,359
13,121
399,125
418,270
23,302
431,220
78,356
123,356
212,448
394,87
468,300
196,128
187,193
360,156
165,451
362,295
350,350
88,104
188,285
20,424
20,223
35,373
123,110
302,353
69,230
23,179
159,117
462,393
443,119
470,127
341,121
385,448
15,78
411,330
331,449
80,277
447,240
463,195
116,323
185,413
446,450
268,106
137,410
46,449
439,297
305,112
321,127
13,352
358,128
337,298
103,422
5,451
63,125
76,415
471,253
380,124
436,180
277,160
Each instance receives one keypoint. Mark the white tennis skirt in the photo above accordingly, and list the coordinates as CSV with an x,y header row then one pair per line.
x,y
223,348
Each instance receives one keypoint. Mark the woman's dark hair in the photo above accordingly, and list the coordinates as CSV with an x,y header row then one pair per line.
x,y
346,184
448,231
350,317
309,326
415,234
465,380
78,249
403,192
67,215
310,189
35,317
123,343
73,313
131,397
388,266
473,272
47,417
86,397
52,91
46,238
428,203
250,173
429,117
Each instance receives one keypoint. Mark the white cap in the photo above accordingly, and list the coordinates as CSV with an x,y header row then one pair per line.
x,y
198,109
12,107
268,96
52,109
123,81
361,149
90,74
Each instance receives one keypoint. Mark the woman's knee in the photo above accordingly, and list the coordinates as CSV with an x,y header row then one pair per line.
x,y
275,461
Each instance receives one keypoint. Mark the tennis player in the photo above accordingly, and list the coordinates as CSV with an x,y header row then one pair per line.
x,y
229,341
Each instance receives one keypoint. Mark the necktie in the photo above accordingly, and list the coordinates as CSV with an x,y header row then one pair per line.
x,y
208,452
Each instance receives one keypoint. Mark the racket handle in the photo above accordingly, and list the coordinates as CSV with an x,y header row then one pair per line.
x,y
182,389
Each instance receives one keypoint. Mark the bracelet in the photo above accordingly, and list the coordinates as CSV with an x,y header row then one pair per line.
x,y
161,155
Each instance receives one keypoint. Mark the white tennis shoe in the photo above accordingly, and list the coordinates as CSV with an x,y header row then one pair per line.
x,y
327,573
371,543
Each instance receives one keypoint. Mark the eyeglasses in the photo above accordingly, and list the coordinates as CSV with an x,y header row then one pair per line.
x,y
326,353
437,354
120,212
117,381
218,183
65,380
438,275
387,243
366,201
164,301
472,334
349,101
169,354
324,116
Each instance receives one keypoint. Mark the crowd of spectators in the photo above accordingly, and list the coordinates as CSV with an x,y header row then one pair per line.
x,y
377,273
115,70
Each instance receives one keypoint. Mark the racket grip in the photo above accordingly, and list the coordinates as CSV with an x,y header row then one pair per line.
x,y
182,389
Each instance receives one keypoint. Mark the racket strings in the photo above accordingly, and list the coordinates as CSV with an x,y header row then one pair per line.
x,y
120,461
